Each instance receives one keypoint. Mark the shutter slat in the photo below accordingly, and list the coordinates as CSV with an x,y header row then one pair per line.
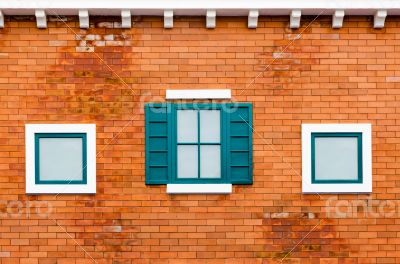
x,y
240,144
157,147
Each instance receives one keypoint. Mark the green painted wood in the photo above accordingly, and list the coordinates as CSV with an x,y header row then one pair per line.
x,y
240,144
236,143
157,143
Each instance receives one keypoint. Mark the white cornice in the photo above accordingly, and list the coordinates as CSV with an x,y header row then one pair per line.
x,y
196,7
171,8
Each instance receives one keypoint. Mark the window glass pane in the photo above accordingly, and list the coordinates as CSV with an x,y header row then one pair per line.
x,y
187,161
60,159
187,126
210,126
336,158
210,161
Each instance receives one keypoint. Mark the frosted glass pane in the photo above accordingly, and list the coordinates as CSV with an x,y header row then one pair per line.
x,y
187,126
187,161
60,159
336,158
210,126
210,161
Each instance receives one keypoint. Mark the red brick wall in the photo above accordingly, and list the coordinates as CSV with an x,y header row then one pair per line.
x,y
323,75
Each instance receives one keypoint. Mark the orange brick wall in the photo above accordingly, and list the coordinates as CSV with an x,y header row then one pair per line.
x,y
103,75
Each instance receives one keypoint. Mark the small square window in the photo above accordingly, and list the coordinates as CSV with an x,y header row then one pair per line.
x,y
336,158
60,158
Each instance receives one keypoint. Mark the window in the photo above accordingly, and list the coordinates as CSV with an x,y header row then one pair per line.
x,y
209,145
198,144
336,158
60,158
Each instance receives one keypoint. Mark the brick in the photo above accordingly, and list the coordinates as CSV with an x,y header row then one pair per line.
x,y
103,76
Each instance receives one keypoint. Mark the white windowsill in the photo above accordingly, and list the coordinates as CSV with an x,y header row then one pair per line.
x,y
199,188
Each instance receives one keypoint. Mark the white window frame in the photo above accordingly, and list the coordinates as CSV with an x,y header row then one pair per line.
x,y
308,186
89,187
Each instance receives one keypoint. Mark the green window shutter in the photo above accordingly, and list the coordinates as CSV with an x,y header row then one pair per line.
x,y
240,143
157,143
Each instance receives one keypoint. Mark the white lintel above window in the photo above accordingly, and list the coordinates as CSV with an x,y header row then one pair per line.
x,y
199,94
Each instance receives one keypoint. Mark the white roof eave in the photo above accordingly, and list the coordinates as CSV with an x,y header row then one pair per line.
x,y
196,7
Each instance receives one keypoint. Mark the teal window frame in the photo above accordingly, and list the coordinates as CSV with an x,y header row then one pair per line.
x,y
38,136
358,135
222,143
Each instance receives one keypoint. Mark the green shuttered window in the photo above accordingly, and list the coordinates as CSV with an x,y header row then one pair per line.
x,y
199,143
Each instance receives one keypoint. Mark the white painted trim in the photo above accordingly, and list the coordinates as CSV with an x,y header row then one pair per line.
x,y
83,18
195,7
168,18
1,19
41,19
252,19
295,17
31,187
211,18
337,19
308,187
199,188
126,19
379,18
198,8
199,94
